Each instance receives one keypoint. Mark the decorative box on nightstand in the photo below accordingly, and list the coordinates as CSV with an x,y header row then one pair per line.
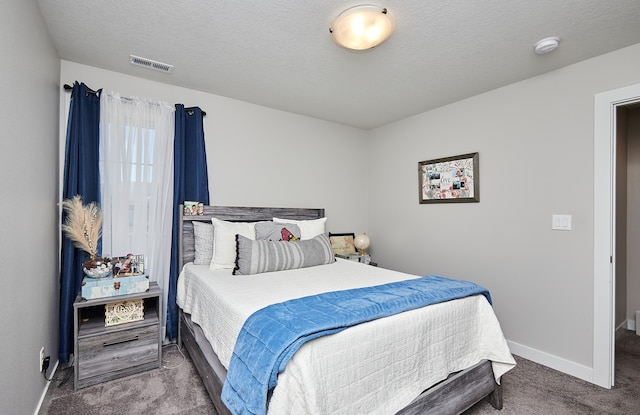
x,y
104,352
114,287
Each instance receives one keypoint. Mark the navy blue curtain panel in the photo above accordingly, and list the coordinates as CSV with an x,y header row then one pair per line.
x,y
81,177
191,182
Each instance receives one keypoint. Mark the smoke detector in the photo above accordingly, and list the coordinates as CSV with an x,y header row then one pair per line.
x,y
546,45
150,64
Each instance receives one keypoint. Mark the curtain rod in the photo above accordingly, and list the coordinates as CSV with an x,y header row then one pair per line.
x,y
68,87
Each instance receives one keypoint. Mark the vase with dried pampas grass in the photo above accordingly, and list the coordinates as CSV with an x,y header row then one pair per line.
x,y
83,226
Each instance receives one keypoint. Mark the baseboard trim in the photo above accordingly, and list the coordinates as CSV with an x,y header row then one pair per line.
x,y
46,389
554,362
631,324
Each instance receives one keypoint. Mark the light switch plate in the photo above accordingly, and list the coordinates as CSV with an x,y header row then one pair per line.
x,y
561,222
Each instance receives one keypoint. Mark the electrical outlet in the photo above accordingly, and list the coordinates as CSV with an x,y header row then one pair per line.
x,y
41,362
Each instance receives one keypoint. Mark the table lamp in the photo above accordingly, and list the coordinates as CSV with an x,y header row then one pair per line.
x,y
361,242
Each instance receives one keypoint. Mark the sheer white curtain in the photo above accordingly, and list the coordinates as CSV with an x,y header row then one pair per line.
x,y
136,155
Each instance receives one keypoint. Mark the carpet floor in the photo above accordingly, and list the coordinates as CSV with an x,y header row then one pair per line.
x,y
174,389
529,389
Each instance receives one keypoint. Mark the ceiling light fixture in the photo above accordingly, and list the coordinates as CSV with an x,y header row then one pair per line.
x,y
362,27
546,45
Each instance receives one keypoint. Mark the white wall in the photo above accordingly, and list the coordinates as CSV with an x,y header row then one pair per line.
x,y
28,214
535,140
259,156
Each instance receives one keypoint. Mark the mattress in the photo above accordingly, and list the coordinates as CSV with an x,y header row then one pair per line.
x,y
376,367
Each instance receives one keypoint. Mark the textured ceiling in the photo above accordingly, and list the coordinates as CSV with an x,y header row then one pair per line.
x,y
279,53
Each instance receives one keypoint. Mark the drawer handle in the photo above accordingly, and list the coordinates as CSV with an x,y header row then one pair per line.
x,y
106,344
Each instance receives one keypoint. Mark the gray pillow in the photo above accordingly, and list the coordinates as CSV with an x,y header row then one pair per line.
x,y
254,257
271,231
203,238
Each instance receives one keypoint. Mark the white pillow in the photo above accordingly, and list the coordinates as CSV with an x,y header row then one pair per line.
x,y
224,241
308,228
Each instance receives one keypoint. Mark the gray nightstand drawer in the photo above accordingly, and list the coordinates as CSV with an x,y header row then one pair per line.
x,y
111,352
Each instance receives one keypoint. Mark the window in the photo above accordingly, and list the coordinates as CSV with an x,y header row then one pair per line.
x,y
136,156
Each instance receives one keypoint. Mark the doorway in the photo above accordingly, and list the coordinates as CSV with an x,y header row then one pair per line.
x,y
604,228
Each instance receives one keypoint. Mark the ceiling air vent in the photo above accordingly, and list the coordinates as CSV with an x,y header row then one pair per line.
x,y
150,64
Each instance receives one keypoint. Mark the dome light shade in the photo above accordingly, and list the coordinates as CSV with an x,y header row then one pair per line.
x,y
362,27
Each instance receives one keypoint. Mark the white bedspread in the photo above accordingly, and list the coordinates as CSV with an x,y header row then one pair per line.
x,y
373,368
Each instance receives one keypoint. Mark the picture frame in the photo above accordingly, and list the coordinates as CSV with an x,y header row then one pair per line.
x,y
128,265
342,243
453,179
192,208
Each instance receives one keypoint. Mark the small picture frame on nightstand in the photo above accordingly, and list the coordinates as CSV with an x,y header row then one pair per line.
x,y
342,243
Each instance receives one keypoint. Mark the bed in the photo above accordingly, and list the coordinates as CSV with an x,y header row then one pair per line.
x,y
377,384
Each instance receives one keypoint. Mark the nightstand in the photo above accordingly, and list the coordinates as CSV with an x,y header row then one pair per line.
x,y
363,259
104,353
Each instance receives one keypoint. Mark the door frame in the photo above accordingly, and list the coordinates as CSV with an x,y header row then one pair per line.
x,y
605,108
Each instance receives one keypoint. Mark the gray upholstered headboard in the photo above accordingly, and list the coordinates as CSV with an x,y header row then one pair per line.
x,y
235,214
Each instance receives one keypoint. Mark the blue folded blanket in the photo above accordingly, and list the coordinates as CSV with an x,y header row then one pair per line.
x,y
271,336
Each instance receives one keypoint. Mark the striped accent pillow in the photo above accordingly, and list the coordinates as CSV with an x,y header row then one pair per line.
x,y
203,239
254,257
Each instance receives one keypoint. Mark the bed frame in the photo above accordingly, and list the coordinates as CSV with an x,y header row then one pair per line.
x,y
456,394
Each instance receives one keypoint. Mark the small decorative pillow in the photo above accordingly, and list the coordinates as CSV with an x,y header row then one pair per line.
x,y
254,257
308,228
271,231
203,237
224,241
